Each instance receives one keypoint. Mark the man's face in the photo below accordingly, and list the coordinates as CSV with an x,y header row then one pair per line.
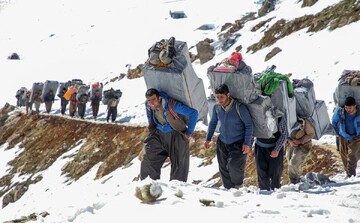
x,y
153,101
223,99
350,109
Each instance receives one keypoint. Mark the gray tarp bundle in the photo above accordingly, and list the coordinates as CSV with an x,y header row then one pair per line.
x,y
315,110
321,120
305,98
346,89
111,93
49,86
37,86
82,89
179,81
242,86
281,100
241,83
21,95
262,114
343,91
94,88
63,85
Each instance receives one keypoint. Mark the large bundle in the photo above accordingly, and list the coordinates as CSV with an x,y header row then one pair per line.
x,y
21,96
63,85
37,88
321,120
76,82
71,90
348,85
96,86
281,100
305,97
241,83
49,86
81,90
263,117
111,93
179,81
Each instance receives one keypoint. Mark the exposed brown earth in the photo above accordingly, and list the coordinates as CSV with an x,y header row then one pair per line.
x,y
44,138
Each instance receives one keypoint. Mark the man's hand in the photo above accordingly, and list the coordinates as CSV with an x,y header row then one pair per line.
x,y
274,154
206,144
246,149
187,135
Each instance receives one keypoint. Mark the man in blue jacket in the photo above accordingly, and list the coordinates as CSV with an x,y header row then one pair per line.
x,y
170,123
346,122
235,139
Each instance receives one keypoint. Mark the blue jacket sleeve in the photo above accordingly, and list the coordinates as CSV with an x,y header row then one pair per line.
x,y
335,120
191,113
212,124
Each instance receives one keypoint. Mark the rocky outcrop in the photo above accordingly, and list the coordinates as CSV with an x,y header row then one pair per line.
x,y
205,51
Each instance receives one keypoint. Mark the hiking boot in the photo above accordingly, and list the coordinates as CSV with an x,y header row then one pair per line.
x,y
171,47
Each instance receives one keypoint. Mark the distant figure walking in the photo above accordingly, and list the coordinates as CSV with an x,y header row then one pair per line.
x,y
73,104
81,104
49,100
63,101
37,101
95,103
28,101
112,108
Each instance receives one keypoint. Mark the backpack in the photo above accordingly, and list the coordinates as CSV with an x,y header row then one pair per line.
x,y
162,52
177,122
348,85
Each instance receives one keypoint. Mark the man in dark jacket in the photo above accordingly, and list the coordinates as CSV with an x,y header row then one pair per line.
x,y
63,101
49,100
95,102
112,108
82,105
235,139
168,137
269,157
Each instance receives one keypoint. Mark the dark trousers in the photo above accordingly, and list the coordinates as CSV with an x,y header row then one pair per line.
x,y
231,163
81,109
158,146
48,105
112,112
72,109
269,170
295,157
95,109
63,104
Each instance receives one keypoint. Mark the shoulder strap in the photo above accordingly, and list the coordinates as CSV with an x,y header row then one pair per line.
x,y
171,105
237,106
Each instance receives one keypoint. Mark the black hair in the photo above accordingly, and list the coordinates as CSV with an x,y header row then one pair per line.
x,y
350,101
222,89
151,92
